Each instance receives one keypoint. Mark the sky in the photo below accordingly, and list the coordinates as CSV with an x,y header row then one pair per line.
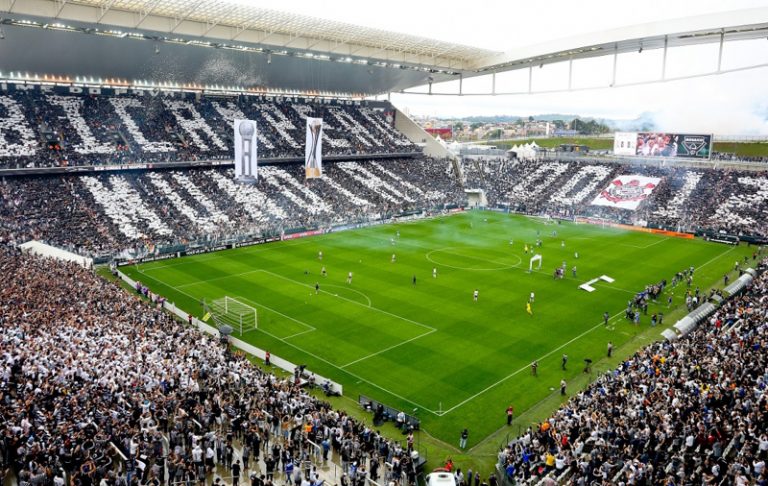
x,y
735,103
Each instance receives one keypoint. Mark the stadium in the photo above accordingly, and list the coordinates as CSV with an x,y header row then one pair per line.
x,y
238,248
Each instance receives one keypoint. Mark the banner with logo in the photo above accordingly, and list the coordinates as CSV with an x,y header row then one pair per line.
x,y
313,158
245,150
627,191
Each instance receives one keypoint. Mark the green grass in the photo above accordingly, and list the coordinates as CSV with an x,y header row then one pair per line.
x,y
744,149
594,143
429,346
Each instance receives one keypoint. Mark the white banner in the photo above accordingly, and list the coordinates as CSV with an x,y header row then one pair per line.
x,y
625,143
313,155
627,191
245,150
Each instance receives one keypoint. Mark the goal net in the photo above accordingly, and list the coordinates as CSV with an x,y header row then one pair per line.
x,y
238,315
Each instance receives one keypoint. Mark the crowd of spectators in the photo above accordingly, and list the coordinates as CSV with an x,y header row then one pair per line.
x,y
100,388
711,199
44,129
109,213
691,411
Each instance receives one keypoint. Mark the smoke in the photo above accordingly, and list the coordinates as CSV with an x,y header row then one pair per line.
x,y
731,104
222,69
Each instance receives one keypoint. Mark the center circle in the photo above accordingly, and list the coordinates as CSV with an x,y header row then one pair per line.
x,y
483,264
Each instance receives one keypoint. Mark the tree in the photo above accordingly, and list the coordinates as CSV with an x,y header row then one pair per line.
x,y
530,118
494,134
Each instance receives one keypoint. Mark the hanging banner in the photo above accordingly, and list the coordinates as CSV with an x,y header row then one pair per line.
x,y
245,151
313,158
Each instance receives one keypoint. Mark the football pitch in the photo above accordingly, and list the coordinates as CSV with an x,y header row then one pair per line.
x,y
426,346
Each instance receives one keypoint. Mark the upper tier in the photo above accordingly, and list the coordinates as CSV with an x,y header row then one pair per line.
x,y
47,126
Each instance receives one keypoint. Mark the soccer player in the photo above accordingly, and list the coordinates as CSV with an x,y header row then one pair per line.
x,y
317,288
532,298
564,361
319,255
576,255
393,258
349,278
434,272
323,272
610,348
562,244
573,271
414,280
535,368
606,316
475,295
528,308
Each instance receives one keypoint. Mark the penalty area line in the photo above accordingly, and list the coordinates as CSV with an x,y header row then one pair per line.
x,y
410,321
422,407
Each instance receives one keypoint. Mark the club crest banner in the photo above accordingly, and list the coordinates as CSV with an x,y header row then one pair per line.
x,y
313,158
627,192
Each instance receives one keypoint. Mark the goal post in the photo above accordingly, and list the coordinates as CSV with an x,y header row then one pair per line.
x,y
234,313
534,259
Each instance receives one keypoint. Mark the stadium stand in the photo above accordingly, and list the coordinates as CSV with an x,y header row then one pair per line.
x,y
686,412
53,128
98,386
662,416
106,214
700,199
101,214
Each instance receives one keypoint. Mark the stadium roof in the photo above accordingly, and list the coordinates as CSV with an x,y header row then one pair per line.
x,y
241,22
255,46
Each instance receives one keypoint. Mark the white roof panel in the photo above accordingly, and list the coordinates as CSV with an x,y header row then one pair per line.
x,y
252,17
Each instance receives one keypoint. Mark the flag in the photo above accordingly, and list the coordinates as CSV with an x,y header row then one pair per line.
x,y
313,158
527,308
206,316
